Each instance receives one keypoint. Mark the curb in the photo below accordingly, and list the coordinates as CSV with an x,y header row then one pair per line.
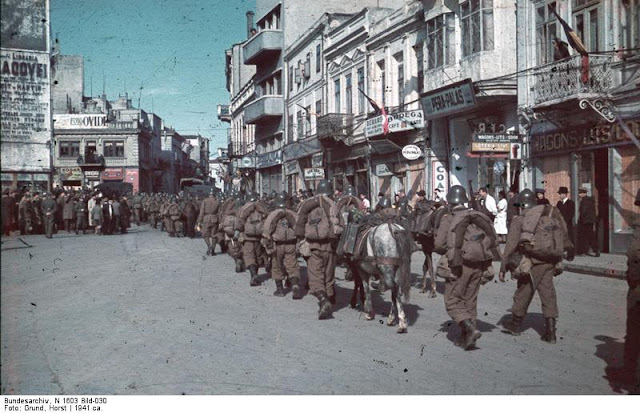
x,y
597,271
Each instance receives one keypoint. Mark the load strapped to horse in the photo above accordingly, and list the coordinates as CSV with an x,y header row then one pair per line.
x,y
378,247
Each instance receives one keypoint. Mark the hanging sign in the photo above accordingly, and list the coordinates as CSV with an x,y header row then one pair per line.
x,y
411,152
311,174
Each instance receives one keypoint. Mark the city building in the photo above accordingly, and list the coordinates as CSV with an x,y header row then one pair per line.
x,y
25,66
580,110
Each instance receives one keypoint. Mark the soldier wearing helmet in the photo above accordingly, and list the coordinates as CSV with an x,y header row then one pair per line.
x,y
279,240
320,224
533,272
207,221
252,216
464,279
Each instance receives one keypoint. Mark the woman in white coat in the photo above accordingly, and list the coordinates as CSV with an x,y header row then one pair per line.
x,y
500,221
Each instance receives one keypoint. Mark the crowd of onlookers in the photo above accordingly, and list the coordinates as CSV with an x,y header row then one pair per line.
x,y
79,211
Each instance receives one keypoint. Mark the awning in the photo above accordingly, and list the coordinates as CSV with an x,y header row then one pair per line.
x,y
301,149
383,146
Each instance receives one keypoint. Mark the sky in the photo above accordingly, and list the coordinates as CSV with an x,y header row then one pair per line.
x,y
168,55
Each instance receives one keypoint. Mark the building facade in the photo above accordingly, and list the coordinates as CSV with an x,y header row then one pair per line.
x,y
581,113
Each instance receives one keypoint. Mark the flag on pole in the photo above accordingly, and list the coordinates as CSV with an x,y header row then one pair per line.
x,y
385,122
372,102
576,43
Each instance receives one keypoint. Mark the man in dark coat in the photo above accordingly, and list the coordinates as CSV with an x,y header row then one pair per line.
x,y
7,212
587,218
190,211
107,217
49,207
567,208
541,199
512,209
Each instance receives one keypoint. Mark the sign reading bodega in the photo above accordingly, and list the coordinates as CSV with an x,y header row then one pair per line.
x,y
68,121
577,139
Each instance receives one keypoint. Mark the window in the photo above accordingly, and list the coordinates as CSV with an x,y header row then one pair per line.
x,y
69,149
360,74
290,135
318,107
318,58
586,19
348,92
290,78
441,40
113,149
307,123
90,150
399,58
547,27
477,26
336,91
300,116
382,79
419,53
630,24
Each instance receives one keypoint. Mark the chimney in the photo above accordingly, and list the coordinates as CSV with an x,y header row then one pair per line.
x,y
249,23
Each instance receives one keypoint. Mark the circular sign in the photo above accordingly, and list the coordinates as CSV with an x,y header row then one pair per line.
x,y
411,152
246,161
498,168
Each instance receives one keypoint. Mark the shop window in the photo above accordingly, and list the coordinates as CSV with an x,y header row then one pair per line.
x,y
476,17
114,149
626,184
69,149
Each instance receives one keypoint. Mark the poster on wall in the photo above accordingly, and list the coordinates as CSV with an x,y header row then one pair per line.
x,y
440,178
25,25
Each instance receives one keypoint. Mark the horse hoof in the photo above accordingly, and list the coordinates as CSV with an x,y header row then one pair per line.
x,y
422,291
370,316
433,294
401,330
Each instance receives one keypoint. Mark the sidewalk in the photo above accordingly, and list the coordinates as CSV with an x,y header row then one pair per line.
x,y
606,265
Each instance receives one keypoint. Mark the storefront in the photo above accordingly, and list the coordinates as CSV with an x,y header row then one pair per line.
x,y
298,156
600,158
26,181
269,167
348,166
70,177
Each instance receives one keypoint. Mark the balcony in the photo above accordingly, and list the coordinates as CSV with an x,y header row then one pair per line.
x,y
335,125
560,81
265,45
224,114
269,106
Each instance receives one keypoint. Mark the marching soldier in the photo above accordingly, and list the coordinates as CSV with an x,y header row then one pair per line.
x,y
535,268
154,210
231,228
252,216
319,223
174,214
190,211
25,215
466,275
208,221
49,207
280,242
68,207
137,207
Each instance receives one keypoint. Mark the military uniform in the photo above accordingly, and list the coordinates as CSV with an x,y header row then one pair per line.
x,y
253,253
81,216
281,240
68,215
137,208
49,207
154,210
25,215
208,222
190,211
174,214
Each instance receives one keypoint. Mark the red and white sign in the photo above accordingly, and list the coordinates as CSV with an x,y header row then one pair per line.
x,y
133,177
112,174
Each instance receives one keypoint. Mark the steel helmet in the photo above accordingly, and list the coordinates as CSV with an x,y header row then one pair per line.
x,y
350,191
324,187
251,196
385,203
457,195
526,199
280,201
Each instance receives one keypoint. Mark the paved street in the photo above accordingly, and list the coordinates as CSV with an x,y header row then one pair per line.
x,y
143,313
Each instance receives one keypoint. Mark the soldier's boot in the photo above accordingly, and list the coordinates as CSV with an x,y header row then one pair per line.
x,y
279,292
513,326
253,269
287,283
326,309
295,289
459,342
471,334
208,242
549,330
239,265
223,247
214,241
332,299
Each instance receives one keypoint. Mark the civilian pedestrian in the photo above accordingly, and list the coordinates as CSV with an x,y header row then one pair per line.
x,y
568,210
587,219
500,221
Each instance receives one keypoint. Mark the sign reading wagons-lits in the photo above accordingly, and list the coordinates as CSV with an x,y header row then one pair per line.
x,y
398,122
450,99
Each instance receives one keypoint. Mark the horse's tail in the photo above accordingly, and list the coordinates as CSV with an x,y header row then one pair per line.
x,y
404,270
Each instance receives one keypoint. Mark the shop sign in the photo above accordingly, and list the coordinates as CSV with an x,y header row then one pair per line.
x,y
411,152
73,173
246,162
384,169
490,147
111,174
316,160
268,159
448,100
586,138
311,174
397,122
69,121
92,175
440,177
290,167
496,137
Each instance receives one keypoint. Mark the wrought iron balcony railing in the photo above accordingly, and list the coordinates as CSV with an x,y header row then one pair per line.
x,y
336,125
567,78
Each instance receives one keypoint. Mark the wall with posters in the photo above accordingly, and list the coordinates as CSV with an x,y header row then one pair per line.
x,y
26,94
